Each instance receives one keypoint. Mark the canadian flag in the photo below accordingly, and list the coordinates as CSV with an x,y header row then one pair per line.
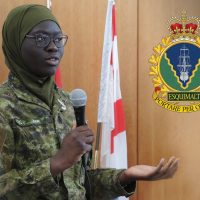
x,y
110,109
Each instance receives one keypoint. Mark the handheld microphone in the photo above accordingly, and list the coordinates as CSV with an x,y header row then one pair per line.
x,y
78,98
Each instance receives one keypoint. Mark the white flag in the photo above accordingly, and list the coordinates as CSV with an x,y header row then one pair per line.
x,y
110,109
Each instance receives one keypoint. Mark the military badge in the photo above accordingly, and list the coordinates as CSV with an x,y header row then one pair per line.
x,y
175,66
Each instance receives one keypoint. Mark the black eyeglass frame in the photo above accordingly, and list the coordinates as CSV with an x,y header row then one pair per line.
x,y
50,39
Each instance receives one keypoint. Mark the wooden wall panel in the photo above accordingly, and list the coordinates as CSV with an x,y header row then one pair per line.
x,y
163,133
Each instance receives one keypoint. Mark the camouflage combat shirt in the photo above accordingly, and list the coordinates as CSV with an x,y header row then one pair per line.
x,y
30,134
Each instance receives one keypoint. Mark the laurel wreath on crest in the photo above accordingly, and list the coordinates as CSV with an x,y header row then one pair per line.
x,y
159,86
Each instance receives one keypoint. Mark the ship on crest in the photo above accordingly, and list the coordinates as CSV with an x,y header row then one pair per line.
x,y
184,65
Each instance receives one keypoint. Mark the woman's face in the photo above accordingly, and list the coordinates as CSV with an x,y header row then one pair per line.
x,y
39,59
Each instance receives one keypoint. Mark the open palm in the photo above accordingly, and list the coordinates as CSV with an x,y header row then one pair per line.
x,y
163,170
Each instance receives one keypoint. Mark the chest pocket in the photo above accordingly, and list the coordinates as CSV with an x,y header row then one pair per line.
x,y
35,140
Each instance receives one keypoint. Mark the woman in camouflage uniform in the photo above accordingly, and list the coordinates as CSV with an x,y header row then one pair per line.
x,y
40,150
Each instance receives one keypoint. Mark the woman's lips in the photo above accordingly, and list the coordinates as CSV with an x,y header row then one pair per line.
x,y
52,61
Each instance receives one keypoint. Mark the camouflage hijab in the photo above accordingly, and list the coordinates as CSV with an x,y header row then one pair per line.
x,y
19,22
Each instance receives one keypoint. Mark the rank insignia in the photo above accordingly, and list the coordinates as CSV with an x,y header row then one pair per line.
x,y
175,66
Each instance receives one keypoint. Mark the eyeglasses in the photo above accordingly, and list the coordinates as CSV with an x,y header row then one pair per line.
x,y
43,40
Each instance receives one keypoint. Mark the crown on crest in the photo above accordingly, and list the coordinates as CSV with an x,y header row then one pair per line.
x,y
183,27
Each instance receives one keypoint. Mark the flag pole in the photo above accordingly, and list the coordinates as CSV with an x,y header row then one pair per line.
x,y
49,4
97,144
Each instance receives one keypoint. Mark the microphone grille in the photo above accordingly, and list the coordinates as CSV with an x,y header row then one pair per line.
x,y
78,97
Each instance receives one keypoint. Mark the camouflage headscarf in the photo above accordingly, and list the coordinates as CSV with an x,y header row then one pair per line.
x,y
18,23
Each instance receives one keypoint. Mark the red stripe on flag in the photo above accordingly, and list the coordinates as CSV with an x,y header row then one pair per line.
x,y
119,121
111,58
113,23
58,78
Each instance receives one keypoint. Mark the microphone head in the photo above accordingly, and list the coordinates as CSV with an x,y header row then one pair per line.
x,y
78,97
